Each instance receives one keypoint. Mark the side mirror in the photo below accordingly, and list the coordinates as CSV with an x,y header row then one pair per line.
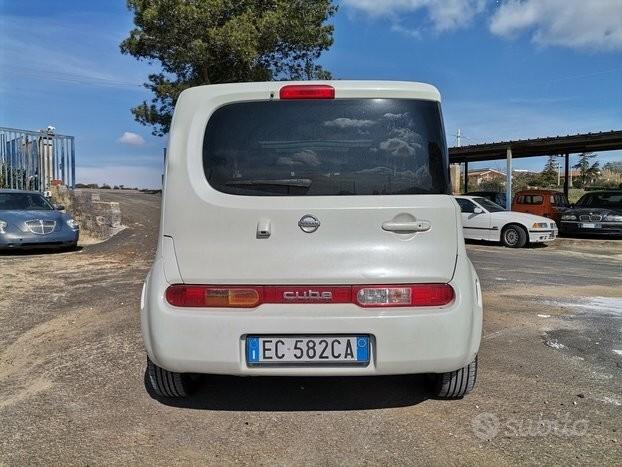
x,y
478,210
59,207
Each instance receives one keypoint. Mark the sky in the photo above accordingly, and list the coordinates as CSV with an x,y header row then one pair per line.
x,y
506,69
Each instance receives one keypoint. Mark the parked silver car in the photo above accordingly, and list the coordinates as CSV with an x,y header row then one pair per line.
x,y
28,220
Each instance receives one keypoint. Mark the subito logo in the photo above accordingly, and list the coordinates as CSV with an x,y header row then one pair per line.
x,y
485,426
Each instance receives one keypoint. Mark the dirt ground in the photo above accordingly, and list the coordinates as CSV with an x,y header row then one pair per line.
x,y
72,365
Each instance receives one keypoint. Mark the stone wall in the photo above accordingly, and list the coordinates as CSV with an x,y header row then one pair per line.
x,y
98,219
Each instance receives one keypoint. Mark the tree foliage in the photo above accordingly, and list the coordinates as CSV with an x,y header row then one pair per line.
x,y
587,170
221,41
613,166
548,176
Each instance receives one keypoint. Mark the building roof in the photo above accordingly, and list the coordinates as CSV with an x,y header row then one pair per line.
x,y
557,145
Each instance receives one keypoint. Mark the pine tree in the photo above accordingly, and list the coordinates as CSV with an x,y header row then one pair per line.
x,y
223,41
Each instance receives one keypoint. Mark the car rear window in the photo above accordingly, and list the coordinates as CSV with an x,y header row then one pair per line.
x,y
530,199
327,148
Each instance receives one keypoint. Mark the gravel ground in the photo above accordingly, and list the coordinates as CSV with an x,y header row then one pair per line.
x,y
72,362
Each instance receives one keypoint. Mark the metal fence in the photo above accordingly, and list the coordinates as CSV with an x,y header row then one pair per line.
x,y
34,160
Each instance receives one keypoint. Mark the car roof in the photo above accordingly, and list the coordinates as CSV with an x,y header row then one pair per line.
x,y
344,89
485,192
603,192
10,190
538,191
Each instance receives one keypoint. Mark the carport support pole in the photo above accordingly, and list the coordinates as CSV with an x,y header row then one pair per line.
x,y
466,177
508,182
566,174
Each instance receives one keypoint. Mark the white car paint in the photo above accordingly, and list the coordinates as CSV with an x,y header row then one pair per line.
x,y
488,225
211,237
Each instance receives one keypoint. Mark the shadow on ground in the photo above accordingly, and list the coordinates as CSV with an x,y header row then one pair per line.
x,y
533,246
294,394
38,251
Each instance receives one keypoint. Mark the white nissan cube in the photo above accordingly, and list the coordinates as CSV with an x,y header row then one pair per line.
x,y
308,229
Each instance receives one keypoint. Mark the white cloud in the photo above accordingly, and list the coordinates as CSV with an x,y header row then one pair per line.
x,y
442,14
581,24
133,139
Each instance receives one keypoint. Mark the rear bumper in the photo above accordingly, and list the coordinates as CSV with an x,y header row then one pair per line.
x,y
414,340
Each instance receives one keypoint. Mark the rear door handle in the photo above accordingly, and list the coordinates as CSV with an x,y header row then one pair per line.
x,y
415,226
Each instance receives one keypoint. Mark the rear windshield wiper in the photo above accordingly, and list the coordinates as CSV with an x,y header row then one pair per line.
x,y
294,182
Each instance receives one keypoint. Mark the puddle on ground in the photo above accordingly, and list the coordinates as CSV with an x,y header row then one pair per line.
x,y
609,306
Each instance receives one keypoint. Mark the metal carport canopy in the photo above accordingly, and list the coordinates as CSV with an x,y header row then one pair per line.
x,y
557,145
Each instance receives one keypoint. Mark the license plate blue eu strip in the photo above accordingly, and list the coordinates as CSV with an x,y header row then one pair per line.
x,y
253,352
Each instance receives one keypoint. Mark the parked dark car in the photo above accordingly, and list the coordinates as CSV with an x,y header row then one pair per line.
x,y
28,220
597,212
494,196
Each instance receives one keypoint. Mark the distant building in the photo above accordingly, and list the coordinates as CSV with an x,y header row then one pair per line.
x,y
484,175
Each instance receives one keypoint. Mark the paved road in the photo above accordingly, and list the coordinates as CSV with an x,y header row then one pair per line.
x,y
72,362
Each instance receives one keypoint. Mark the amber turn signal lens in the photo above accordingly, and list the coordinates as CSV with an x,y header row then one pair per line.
x,y
213,297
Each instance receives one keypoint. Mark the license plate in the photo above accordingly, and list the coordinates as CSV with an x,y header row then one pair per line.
x,y
307,350
588,226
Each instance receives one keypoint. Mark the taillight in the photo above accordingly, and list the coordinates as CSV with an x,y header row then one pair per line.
x,y
241,296
403,295
210,297
307,91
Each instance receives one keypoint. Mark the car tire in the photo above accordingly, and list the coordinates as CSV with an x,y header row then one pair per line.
x,y
456,384
167,384
514,236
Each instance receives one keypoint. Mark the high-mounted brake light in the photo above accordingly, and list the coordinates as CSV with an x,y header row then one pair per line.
x,y
242,296
307,91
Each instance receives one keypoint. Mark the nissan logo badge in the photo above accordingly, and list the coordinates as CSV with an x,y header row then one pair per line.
x,y
308,223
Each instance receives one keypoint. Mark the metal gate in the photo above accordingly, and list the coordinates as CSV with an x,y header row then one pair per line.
x,y
34,160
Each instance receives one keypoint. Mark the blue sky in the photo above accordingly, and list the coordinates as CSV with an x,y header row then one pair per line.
x,y
506,69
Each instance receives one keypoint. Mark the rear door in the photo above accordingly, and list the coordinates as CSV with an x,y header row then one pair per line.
x,y
343,191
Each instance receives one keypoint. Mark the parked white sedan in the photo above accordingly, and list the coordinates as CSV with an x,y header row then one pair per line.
x,y
484,220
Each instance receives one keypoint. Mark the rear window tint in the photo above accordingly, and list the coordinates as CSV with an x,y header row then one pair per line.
x,y
530,199
327,147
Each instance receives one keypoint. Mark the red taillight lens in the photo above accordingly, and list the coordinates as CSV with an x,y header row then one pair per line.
x,y
403,295
210,297
307,91
241,296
